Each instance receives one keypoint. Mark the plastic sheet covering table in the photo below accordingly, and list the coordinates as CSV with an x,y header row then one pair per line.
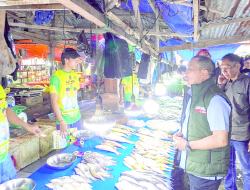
x,y
43,175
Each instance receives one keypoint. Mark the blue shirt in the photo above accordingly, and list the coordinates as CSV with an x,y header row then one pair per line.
x,y
218,113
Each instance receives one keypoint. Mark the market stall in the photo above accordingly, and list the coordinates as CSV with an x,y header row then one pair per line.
x,y
45,174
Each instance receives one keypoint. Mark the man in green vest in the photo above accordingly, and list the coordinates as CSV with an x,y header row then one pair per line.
x,y
205,135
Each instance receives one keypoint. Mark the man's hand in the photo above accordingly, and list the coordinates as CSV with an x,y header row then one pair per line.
x,y
249,146
34,130
178,134
179,142
222,80
63,129
121,101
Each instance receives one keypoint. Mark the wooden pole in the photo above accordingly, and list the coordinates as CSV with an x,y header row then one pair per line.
x,y
2,20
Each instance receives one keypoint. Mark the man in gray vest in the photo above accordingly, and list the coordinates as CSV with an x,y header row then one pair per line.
x,y
205,136
237,87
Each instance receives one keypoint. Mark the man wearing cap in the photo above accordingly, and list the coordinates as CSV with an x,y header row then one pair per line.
x,y
205,52
63,85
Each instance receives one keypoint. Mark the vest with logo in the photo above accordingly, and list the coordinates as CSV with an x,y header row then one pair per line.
x,y
205,163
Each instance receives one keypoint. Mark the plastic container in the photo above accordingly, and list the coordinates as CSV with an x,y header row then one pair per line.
x,y
18,110
11,101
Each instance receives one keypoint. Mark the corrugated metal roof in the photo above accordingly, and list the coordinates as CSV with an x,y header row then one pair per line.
x,y
231,9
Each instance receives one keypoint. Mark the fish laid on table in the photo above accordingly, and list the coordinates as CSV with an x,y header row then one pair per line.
x,y
85,169
94,172
114,137
107,148
141,180
99,158
114,144
136,123
125,128
69,183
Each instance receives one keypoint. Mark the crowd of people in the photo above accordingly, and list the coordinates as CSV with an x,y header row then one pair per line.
x,y
215,121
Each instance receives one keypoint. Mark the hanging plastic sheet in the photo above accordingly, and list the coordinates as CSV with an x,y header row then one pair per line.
x,y
43,17
144,6
83,48
143,67
150,72
178,18
100,59
117,61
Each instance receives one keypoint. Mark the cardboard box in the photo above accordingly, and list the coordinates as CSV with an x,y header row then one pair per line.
x,y
25,150
45,143
14,151
33,100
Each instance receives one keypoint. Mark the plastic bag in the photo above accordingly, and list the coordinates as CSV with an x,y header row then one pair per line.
x,y
83,48
143,67
117,59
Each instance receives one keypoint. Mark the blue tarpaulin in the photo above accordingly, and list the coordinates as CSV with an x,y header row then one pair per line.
x,y
217,52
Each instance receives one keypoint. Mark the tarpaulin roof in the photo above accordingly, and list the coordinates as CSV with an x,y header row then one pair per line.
x,y
216,52
39,51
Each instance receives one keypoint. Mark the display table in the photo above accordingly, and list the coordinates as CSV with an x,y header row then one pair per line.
x,y
43,175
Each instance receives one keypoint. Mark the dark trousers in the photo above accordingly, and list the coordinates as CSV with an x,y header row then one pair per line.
x,y
197,183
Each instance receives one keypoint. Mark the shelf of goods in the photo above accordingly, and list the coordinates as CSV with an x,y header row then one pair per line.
x,y
128,148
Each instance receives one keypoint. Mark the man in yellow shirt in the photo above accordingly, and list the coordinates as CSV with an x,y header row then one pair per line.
x,y
130,85
7,115
64,85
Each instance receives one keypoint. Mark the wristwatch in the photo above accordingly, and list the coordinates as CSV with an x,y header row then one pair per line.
x,y
188,148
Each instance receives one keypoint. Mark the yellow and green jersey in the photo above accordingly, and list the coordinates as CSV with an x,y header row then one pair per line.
x,y
66,85
4,126
127,81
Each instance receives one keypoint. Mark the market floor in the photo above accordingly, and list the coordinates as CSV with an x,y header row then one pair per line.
x,y
111,104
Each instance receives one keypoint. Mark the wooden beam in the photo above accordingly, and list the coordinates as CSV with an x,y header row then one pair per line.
x,y
39,27
206,43
225,22
36,40
26,2
166,34
130,31
54,6
191,5
87,11
196,4
156,11
157,29
2,20
38,36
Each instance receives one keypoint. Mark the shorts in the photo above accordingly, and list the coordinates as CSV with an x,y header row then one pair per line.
x,y
77,125
7,170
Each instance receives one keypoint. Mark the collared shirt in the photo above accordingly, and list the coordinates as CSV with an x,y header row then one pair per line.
x,y
218,113
238,92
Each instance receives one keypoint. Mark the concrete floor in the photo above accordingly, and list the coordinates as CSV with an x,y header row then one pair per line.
x,y
111,104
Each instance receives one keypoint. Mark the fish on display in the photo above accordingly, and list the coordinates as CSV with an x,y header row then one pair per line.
x,y
114,137
138,179
73,182
107,148
114,144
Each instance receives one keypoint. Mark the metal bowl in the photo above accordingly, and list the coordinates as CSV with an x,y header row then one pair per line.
x,y
85,134
18,184
61,161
